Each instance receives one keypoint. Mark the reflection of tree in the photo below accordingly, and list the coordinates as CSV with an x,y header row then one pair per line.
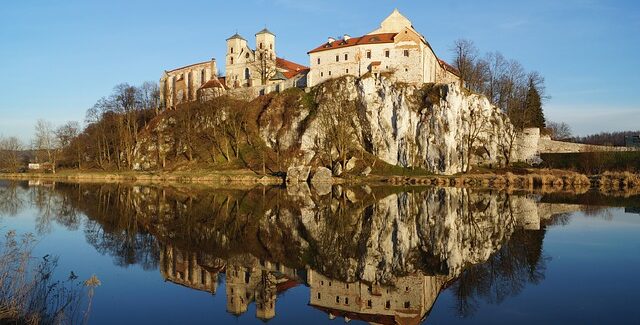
x,y
519,262
113,228
54,206
10,199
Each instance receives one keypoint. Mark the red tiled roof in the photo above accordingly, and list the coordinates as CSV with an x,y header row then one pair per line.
x,y
281,287
366,39
214,83
292,68
370,318
449,67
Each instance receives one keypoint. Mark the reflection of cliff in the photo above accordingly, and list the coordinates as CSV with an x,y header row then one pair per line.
x,y
352,234
376,254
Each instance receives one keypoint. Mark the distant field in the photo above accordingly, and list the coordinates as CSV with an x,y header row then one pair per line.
x,y
593,162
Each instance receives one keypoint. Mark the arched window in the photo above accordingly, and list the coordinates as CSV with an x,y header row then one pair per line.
x,y
247,74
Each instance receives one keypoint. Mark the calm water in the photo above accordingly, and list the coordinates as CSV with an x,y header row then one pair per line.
x,y
200,256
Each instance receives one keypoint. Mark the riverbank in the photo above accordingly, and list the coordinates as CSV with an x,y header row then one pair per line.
x,y
526,178
546,179
245,177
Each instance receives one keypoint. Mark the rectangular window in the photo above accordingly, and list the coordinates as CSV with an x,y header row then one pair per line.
x,y
368,54
318,60
329,72
346,57
347,71
386,53
321,74
406,53
337,58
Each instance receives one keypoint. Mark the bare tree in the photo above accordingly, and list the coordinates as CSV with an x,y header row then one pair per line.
x,y
265,65
65,135
337,126
10,153
559,130
45,142
478,125
149,96
465,53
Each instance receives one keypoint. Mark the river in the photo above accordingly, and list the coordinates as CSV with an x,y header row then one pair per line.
x,y
371,254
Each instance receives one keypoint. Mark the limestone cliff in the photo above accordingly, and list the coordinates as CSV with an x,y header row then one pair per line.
x,y
438,127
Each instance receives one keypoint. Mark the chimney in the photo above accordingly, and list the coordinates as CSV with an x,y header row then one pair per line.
x,y
346,37
331,39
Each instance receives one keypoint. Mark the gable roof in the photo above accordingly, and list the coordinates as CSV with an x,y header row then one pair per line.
x,y
214,83
449,67
292,68
366,39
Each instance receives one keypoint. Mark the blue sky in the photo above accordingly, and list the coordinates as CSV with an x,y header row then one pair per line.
x,y
59,57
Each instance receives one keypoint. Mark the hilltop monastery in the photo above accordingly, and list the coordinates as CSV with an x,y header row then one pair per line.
x,y
395,49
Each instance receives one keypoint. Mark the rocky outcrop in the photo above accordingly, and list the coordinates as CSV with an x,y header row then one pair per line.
x,y
432,126
438,127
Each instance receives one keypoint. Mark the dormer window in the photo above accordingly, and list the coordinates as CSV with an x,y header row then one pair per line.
x,y
343,43
374,39
328,45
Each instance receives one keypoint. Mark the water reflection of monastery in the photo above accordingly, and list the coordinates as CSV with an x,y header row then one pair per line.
x,y
408,302
252,281
260,282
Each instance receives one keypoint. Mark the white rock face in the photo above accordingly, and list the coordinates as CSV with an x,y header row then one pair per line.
x,y
399,124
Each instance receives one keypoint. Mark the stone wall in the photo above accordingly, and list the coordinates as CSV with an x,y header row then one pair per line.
x,y
181,85
530,144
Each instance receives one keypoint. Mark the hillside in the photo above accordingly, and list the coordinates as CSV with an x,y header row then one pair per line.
x,y
435,128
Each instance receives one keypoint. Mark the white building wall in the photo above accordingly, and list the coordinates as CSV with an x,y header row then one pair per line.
x,y
419,67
